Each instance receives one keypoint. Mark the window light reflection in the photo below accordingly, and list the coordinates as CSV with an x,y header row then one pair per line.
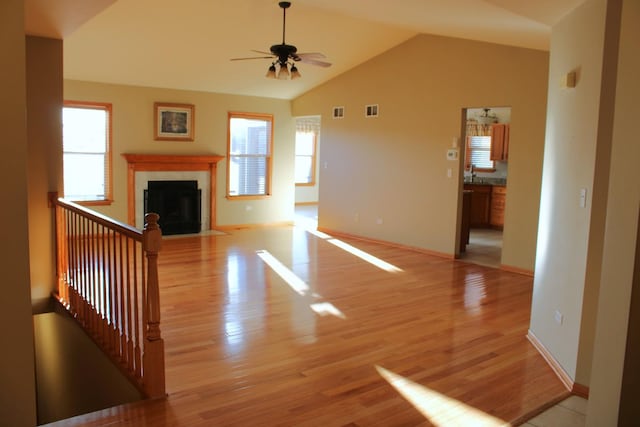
x,y
296,283
299,286
474,292
327,309
439,409
357,252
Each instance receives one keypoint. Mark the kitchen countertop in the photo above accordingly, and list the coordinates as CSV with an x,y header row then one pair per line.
x,y
486,181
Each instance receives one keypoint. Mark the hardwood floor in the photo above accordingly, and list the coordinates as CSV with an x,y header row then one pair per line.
x,y
330,339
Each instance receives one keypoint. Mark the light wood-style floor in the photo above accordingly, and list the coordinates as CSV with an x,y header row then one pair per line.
x,y
287,327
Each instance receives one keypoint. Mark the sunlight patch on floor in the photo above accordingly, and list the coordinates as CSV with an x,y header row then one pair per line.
x,y
365,256
440,410
298,285
327,309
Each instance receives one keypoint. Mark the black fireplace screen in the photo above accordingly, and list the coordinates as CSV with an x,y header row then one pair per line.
x,y
177,203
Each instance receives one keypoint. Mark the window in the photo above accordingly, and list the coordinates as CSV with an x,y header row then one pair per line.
x,y
305,158
479,153
307,129
249,154
86,145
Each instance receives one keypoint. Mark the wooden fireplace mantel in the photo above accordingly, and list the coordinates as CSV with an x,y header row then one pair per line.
x,y
171,163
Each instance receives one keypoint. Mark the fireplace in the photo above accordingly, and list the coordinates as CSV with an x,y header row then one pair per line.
x,y
159,167
177,202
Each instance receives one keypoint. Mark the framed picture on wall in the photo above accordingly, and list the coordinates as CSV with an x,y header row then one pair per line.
x,y
173,122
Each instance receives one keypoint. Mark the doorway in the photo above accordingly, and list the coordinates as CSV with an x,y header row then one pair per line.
x,y
485,148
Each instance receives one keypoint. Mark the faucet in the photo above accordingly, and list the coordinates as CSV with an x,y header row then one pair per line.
x,y
472,174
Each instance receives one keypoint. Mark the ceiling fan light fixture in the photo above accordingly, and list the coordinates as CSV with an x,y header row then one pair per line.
x,y
284,56
283,74
271,74
295,74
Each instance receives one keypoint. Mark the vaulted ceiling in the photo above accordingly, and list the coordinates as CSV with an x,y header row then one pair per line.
x,y
188,44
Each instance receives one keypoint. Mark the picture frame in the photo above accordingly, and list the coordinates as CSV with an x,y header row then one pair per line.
x,y
173,122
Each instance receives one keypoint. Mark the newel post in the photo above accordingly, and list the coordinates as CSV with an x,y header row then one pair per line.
x,y
153,358
61,247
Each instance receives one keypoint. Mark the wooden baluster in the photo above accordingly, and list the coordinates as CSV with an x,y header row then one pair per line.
x,y
123,303
105,290
115,295
136,311
71,275
130,296
91,277
153,357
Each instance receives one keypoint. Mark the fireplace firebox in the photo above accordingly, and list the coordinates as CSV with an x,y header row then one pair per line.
x,y
177,203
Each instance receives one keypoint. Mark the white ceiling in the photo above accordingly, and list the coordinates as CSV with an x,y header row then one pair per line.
x,y
187,44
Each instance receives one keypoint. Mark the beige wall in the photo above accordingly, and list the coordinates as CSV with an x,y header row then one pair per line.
x,y
619,257
394,167
133,133
575,153
44,103
17,393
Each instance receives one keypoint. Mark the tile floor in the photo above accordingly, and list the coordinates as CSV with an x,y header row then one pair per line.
x,y
571,412
485,247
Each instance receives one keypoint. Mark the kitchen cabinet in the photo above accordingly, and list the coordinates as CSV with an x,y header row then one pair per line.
x,y
499,141
466,219
498,199
480,205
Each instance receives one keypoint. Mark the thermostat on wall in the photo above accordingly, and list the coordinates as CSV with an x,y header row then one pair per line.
x,y
452,154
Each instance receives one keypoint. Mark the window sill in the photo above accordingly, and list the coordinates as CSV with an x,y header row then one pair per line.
x,y
254,197
305,184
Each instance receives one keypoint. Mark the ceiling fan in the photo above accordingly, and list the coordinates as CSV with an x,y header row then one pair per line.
x,y
287,55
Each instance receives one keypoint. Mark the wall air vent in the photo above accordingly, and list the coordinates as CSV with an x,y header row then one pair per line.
x,y
338,112
371,110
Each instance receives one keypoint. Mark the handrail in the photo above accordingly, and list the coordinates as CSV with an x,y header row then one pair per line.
x,y
107,276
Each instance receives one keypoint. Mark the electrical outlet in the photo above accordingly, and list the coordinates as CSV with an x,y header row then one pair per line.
x,y
449,173
558,317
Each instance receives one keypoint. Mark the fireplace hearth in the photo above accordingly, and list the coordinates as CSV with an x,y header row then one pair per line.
x,y
177,203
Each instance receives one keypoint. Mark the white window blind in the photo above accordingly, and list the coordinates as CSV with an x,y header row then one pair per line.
x,y
480,152
86,152
249,155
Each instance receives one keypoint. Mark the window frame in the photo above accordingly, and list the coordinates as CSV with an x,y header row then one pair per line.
x,y
108,108
269,158
314,158
468,155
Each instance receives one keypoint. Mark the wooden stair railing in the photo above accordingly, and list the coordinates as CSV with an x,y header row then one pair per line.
x,y
107,276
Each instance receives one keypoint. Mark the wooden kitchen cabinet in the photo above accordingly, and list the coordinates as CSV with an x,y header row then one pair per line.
x,y
480,205
499,141
498,200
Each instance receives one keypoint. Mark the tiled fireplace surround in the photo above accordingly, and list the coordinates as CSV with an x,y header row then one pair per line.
x,y
155,167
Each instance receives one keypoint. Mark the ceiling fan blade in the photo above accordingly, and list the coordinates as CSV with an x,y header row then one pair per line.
x,y
252,57
315,55
261,52
315,62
